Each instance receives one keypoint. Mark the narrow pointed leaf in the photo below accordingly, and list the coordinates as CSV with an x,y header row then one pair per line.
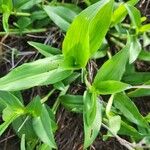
x,y
43,128
59,15
91,131
134,49
41,72
113,69
140,92
129,110
45,50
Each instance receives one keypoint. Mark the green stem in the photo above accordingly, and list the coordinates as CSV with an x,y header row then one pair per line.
x,y
13,32
43,100
120,44
21,14
141,87
57,102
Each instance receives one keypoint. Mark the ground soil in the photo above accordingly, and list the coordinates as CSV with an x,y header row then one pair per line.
x,y
70,132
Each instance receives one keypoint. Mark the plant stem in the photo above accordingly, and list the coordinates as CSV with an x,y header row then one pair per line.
x,y
57,102
120,44
21,14
13,32
141,87
43,100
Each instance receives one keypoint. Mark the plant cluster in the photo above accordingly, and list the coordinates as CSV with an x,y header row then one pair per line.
x,y
89,35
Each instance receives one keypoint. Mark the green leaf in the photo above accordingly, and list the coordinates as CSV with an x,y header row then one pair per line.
x,y
114,68
110,87
45,50
34,107
134,48
23,125
59,15
135,15
41,72
76,44
11,101
135,78
4,125
144,55
99,25
140,92
22,146
145,28
115,124
146,40
80,44
23,23
89,106
72,102
91,130
43,128
25,4
129,110
128,130
121,12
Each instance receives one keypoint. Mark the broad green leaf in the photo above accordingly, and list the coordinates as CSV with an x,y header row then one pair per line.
x,y
59,15
91,131
22,145
45,50
11,101
43,128
99,25
144,55
129,110
80,41
114,68
110,87
76,44
134,48
140,92
135,15
41,72
72,102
